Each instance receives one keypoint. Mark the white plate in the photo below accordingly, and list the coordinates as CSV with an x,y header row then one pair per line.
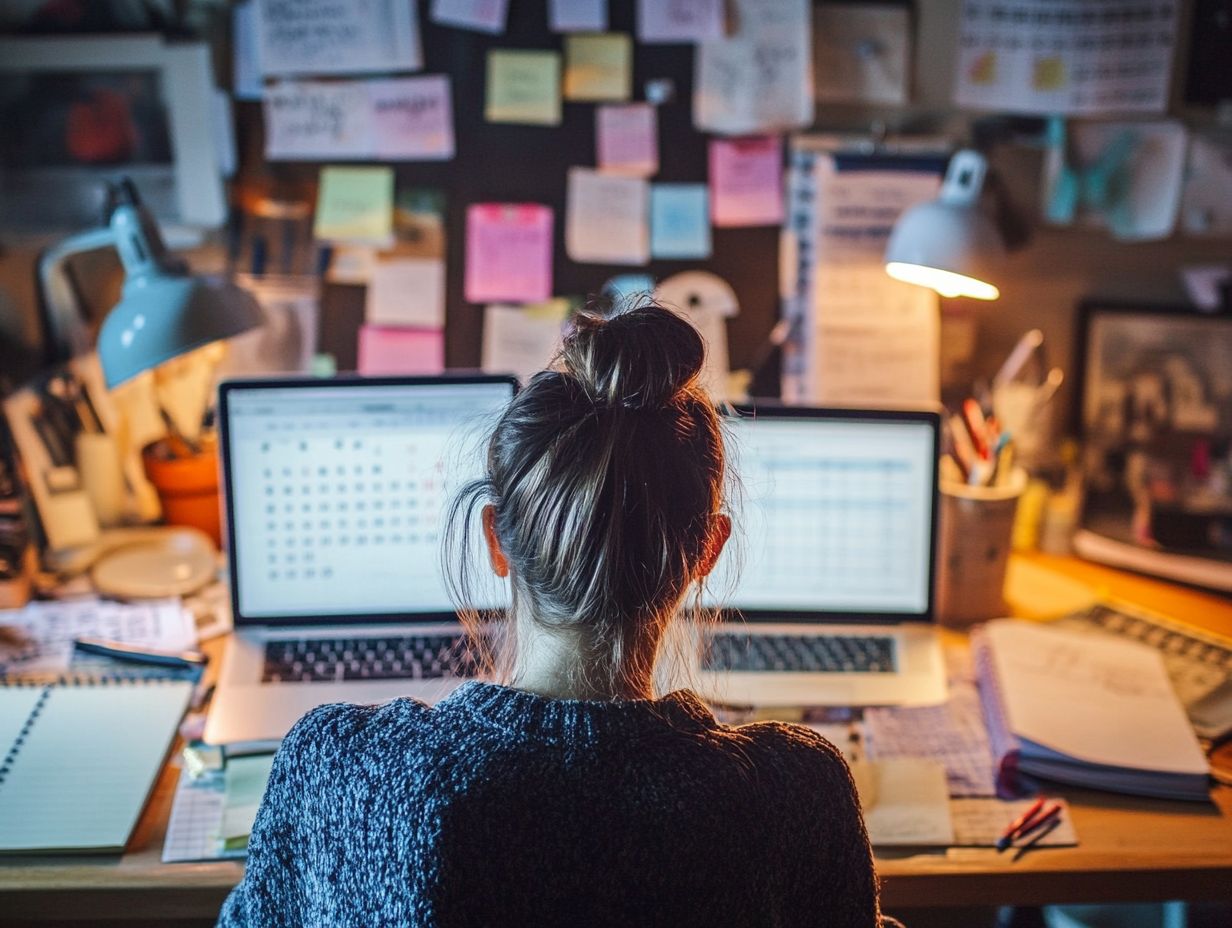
x,y
177,562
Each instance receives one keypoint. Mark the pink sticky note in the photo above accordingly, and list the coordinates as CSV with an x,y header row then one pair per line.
x,y
626,138
394,350
746,181
412,118
508,253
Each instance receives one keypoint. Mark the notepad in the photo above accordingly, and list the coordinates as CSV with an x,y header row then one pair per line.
x,y
77,762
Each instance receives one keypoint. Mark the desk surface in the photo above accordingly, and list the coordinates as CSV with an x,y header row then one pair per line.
x,y
1131,850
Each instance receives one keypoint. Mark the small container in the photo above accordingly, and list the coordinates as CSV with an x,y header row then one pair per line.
x,y
187,486
975,536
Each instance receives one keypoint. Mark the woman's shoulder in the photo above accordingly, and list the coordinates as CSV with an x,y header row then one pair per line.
x,y
798,746
336,729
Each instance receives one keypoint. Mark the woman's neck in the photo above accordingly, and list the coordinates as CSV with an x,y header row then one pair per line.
x,y
560,666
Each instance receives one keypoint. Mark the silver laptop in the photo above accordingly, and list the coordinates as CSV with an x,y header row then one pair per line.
x,y
335,493
828,578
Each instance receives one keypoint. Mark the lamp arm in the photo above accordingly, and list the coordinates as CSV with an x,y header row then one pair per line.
x,y
65,334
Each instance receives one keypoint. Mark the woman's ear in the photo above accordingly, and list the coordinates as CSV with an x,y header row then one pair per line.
x,y
500,563
720,531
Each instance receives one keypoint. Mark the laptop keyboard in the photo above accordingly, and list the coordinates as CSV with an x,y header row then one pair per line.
x,y
402,657
800,653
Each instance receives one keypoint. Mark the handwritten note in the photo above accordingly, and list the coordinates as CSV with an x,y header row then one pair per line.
x,y
508,253
759,79
479,15
523,87
606,222
522,340
746,181
355,205
312,120
391,350
412,119
626,139
337,36
598,67
407,292
577,15
679,221
679,20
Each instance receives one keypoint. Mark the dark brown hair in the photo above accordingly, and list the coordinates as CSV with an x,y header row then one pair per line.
x,y
605,474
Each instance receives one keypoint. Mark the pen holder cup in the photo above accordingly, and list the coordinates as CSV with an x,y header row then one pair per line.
x,y
975,535
187,486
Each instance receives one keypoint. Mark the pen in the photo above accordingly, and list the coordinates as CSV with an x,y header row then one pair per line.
x,y
1038,837
1008,835
1018,357
138,655
977,428
1044,821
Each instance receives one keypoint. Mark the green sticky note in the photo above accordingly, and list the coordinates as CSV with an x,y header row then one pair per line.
x,y
356,204
523,86
245,779
598,67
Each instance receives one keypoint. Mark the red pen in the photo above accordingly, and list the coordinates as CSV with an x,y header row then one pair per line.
x,y
1007,836
1044,821
973,418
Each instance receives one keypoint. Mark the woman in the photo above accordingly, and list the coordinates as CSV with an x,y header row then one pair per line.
x,y
570,795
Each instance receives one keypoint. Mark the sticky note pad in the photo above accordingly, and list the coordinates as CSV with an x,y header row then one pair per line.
x,y
355,204
679,20
606,222
508,252
626,139
679,221
598,66
746,181
393,350
412,118
407,292
479,15
523,87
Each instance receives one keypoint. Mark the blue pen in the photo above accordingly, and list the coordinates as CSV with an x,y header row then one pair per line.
x,y
183,660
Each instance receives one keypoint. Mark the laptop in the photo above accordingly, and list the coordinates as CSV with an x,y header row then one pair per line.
x,y
335,493
827,581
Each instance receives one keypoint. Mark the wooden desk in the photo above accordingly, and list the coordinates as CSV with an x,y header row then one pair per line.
x,y
1131,850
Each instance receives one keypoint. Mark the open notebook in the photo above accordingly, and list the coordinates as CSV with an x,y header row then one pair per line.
x,y
78,761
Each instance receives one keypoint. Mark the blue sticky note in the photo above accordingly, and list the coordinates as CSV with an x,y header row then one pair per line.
x,y
679,221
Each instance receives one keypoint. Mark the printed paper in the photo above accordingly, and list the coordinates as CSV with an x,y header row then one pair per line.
x,y
577,15
355,205
679,20
508,253
606,221
746,181
412,119
679,221
759,79
337,36
598,67
407,292
626,139
479,15
390,350
522,340
523,87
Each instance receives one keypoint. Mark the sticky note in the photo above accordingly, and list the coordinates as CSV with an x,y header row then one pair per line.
x,y
407,292
317,121
337,36
392,350
508,253
355,204
522,340
679,221
598,67
577,15
523,86
412,119
626,139
479,15
746,181
606,221
679,20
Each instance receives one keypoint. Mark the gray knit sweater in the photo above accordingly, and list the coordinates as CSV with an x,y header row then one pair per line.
x,y
498,807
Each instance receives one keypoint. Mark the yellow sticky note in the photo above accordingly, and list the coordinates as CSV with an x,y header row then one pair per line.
x,y
598,66
523,86
355,204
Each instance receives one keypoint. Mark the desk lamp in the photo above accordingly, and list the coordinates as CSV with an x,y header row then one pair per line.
x,y
949,244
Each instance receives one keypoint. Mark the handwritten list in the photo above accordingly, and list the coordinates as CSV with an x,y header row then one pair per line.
x,y
337,36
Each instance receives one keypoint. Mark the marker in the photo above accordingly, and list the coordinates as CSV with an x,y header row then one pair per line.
x,y
1052,815
1039,836
184,660
1008,835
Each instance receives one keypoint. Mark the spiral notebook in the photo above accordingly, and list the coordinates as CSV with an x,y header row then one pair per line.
x,y
78,761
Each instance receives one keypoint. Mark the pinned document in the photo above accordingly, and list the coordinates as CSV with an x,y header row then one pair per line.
x,y
355,205
412,119
626,139
508,252
479,15
523,340
315,121
577,15
862,52
245,59
746,181
598,67
337,36
407,292
606,221
679,221
663,21
395,350
523,87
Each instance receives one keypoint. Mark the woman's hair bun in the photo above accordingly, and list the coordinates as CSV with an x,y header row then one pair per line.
x,y
639,359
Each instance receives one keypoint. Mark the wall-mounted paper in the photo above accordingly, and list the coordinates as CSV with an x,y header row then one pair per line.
x,y
337,36
412,118
627,139
746,181
391,350
606,218
245,58
522,340
479,15
679,20
355,205
577,15
523,86
508,252
317,121
407,292
679,221
861,53
759,79
598,67
1206,203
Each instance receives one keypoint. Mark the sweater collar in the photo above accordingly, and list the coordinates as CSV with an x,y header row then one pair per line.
x,y
572,721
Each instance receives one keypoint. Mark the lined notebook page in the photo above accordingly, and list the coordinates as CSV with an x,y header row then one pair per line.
x,y
15,708
87,765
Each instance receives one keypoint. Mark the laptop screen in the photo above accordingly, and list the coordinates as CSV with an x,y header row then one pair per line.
x,y
337,492
834,515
